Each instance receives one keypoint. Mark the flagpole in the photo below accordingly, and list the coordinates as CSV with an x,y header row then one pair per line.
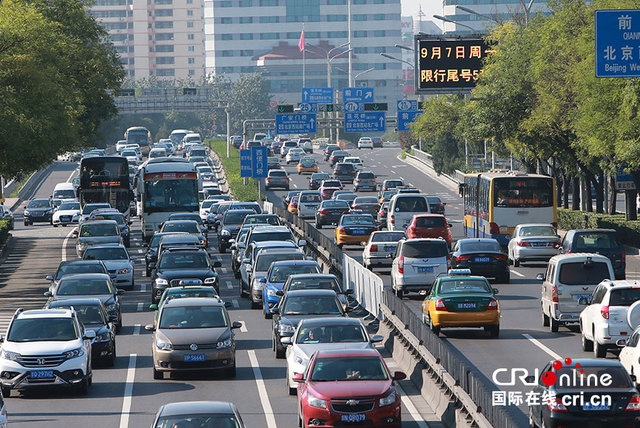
x,y
304,50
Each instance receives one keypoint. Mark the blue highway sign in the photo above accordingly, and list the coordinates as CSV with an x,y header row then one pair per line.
x,y
259,162
405,118
618,43
245,163
407,105
352,106
317,95
359,95
296,123
368,121
308,107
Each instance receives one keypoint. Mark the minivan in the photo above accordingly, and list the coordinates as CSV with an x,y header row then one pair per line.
x,y
600,241
403,207
64,191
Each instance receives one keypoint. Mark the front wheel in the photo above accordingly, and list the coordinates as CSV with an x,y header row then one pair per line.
x,y
6,391
587,345
553,325
157,374
399,293
599,351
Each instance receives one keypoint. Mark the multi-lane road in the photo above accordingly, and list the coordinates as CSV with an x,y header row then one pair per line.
x,y
127,395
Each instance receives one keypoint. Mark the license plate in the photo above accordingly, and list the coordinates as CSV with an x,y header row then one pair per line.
x,y
41,374
580,296
482,259
539,244
194,357
359,417
594,407
466,305
425,269
191,282
359,232
389,248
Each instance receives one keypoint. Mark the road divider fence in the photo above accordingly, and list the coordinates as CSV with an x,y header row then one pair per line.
x,y
367,286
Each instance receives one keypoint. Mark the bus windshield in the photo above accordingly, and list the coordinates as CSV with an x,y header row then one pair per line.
x,y
517,192
170,195
105,179
138,136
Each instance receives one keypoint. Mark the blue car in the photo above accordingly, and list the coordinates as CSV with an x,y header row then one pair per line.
x,y
277,275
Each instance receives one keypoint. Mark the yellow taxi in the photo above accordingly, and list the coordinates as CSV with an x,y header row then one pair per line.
x,y
293,205
307,165
462,300
354,229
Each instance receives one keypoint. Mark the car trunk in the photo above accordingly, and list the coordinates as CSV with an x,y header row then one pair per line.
x,y
466,303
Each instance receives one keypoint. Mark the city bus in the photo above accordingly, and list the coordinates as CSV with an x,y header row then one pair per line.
x,y
139,135
105,179
495,202
166,187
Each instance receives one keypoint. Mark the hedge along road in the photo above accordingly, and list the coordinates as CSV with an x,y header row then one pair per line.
x,y
523,342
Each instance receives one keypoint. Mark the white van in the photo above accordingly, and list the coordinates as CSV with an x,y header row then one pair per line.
x,y
192,138
65,191
157,152
403,207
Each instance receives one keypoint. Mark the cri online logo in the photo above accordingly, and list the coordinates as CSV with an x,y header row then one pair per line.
x,y
549,378
506,377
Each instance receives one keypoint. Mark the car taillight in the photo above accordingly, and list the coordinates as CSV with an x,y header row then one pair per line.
x,y
401,264
555,405
203,242
374,248
410,231
393,219
286,178
624,257
440,305
523,244
441,207
462,258
342,230
493,305
634,403
324,212
356,207
554,294
494,229
501,257
604,311
375,229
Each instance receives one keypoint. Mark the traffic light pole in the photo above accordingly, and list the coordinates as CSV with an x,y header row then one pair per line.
x,y
228,112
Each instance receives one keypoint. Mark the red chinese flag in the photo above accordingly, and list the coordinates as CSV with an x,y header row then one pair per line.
x,y
301,42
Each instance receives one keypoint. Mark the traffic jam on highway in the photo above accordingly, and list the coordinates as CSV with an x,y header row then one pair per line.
x,y
213,297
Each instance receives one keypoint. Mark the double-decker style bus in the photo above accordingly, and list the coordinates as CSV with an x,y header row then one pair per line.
x,y
139,135
166,187
495,202
105,179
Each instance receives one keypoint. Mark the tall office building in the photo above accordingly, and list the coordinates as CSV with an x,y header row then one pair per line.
x,y
160,38
487,13
244,36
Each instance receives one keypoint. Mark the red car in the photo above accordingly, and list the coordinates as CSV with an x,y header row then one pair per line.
x,y
327,192
429,226
348,387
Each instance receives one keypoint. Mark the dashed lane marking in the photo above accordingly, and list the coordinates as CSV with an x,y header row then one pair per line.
x,y
136,330
244,327
128,392
542,346
229,284
517,273
262,390
140,306
235,303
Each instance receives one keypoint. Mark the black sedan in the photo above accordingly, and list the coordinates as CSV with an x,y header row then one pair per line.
x,y
297,305
229,227
151,256
330,211
198,414
316,180
38,210
483,256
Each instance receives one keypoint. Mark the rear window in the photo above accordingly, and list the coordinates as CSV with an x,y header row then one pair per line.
x,y
345,167
478,247
366,200
310,198
589,378
335,204
430,222
594,240
277,173
579,273
234,217
425,249
624,296
366,175
412,204
387,237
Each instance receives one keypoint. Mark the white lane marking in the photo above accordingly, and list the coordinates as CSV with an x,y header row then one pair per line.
x,y
229,284
223,270
140,306
136,330
517,273
294,185
128,392
64,245
235,303
541,346
143,288
71,176
408,404
262,390
244,327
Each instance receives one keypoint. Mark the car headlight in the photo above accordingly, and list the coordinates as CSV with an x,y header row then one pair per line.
x,y
161,281
123,271
26,212
102,338
225,232
286,328
271,292
164,346
226,343
74,353
314,401
8,355
82,244
210,280
389,399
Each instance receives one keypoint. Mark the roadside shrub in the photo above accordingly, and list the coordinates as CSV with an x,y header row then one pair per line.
x,y
628,231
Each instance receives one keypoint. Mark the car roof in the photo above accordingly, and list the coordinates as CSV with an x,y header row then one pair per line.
x,y
592,231
342,353
477,240
45,313
578,256
325,321
274,244
100,222
180,221
80,261
196,407
294,262
186,249
448,277
270,229
76,301
195,301
109,245
313,275
85,276
280,250
621,283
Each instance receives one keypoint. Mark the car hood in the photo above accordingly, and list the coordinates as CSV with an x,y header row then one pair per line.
x,y
309,348
68,212
350,388
294,320
38,210
186,336
41,347
92,240
186,273
117,264
104,298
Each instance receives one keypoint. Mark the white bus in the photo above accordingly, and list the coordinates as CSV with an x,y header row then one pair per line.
x,y
166,187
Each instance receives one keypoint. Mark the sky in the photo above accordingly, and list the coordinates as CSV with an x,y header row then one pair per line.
x,y
429,8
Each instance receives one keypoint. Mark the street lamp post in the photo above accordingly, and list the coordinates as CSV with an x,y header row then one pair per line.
x,y
442,18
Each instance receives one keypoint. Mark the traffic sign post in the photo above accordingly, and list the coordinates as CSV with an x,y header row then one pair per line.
x,y
407,112
317,95
245,163
259,162
617,43
298,123
370,121
358,95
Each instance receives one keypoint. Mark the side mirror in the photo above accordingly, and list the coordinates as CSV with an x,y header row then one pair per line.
x,y
495,291
263,280
48,294
280,293
232,241
275,310
150,327
153,307
399,375
540,277
584,301
228,304
119,291
130,222
217,263
49,277
302,243
622,342
298,377
377,338
89,334
235,325
286,340
450,225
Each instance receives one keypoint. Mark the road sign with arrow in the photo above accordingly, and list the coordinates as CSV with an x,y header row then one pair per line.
x,y
285,108
296,123
371,121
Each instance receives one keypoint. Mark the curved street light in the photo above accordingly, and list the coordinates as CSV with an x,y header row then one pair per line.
x,y
442,18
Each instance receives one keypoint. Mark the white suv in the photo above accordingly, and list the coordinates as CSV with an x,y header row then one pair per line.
x,y
604,320
365,143
417,264
46,347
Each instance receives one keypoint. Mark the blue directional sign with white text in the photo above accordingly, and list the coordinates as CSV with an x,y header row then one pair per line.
x,y
366,121
405,118
308,107
245,163
259,162
317,95
618,43
296,123
352,106
358,95
407,105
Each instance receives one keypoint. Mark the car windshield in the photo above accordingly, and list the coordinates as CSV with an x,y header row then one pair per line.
x,y
100,229
72,269
198,421
588,242
411,204
588,377
39,329
118,218
538,231
205,170
105,253
314,283
234,217
389,193
193,317
310,197
69,206
70,286
307,162
181,226
346,196
430,222
480,247
357,220
393,183
64,194
184,260
88,314
207,203
424,249
348,369
366,200
39,203
465,286
264,260
387,237
281,273
335,204
336,333
266,219
581,273
272,236
311,305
